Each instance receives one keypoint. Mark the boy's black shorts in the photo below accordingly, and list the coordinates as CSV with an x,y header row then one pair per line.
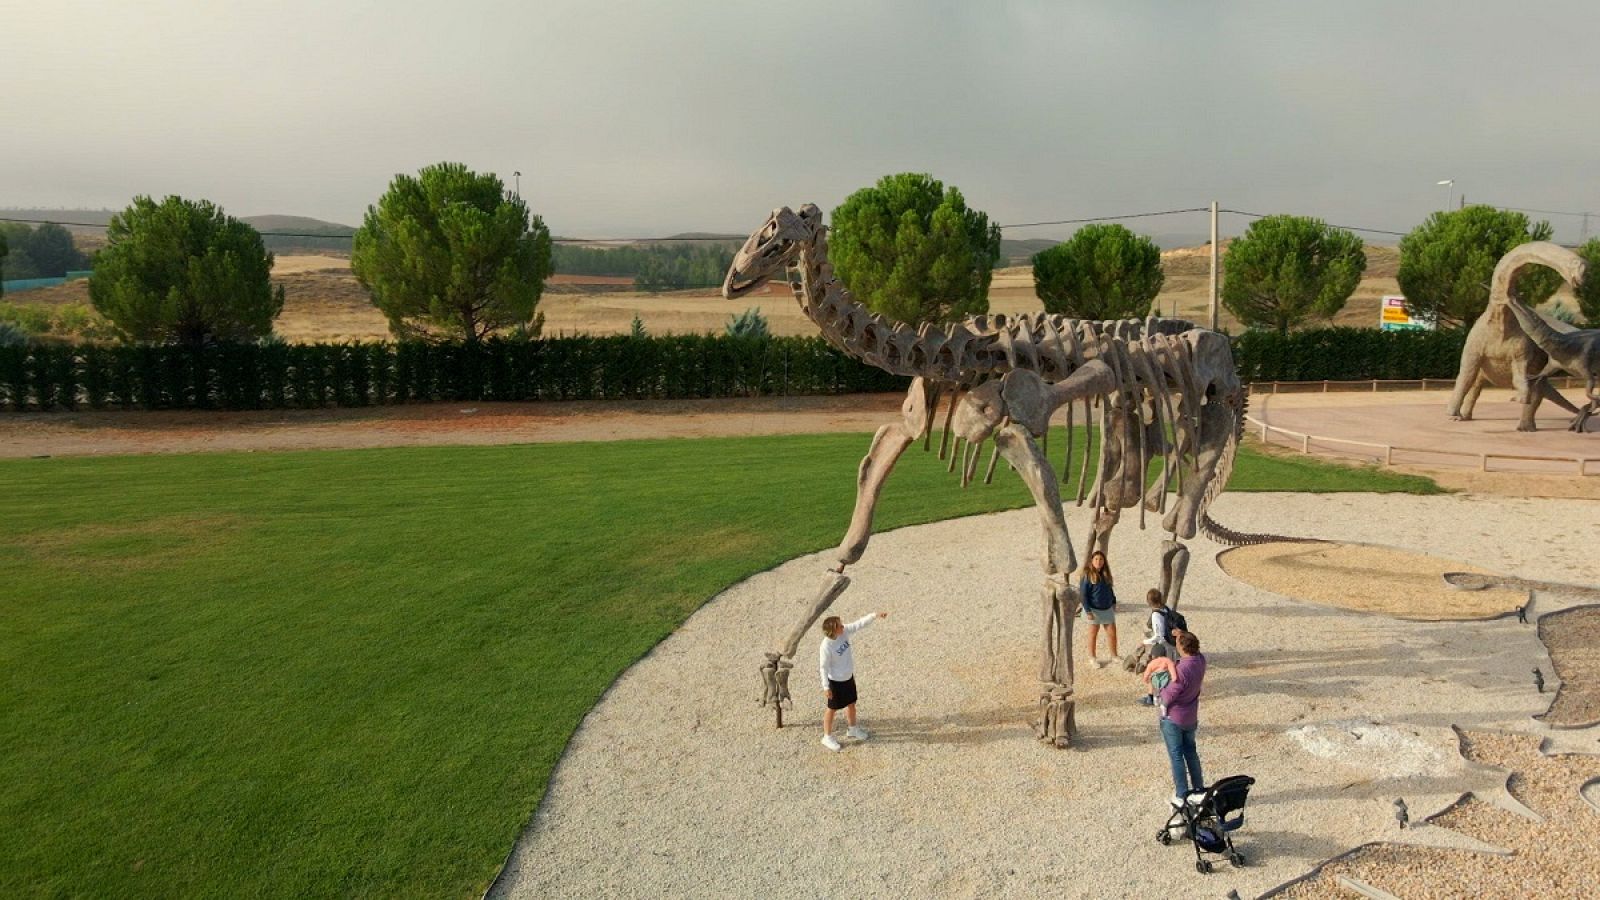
x,y
844,693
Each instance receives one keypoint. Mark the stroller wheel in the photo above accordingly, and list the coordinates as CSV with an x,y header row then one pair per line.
x,y
1202,866
1237,859
1164,838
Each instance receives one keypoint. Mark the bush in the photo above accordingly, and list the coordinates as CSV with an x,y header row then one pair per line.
x,y
269,375
1588,293
184,271
71,320
1447,261
1284,269
1103,272
450,253
911,249
748,324
43,252
1347,354
12,335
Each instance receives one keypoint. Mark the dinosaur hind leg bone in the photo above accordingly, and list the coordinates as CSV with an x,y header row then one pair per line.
x,y
1057,721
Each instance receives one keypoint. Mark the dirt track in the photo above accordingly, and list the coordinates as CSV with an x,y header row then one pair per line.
x,y
105,433
112,433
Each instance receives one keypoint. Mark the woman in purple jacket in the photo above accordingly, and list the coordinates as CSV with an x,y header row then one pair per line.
x,y
1180,716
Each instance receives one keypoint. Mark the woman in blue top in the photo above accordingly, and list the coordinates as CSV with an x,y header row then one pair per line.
x,y
1099,603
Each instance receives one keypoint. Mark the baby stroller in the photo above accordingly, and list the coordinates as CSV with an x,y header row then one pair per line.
x,y
1204,820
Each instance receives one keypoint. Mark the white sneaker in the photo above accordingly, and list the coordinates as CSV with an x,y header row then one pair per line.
x,y
1175,802
831,742
857,732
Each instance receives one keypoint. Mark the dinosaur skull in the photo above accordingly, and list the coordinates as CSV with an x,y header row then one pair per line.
x,y
771,248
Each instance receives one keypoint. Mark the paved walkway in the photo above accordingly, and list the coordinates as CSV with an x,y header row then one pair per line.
x,y
1417,419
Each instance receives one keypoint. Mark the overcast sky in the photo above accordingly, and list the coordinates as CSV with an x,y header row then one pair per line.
x,y
633,118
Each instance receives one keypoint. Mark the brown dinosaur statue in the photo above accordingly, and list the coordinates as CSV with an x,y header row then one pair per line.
x,y
1498,350
1575,352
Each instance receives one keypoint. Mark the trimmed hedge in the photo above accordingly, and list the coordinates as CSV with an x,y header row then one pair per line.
x,y
1347,354
309,376
280,376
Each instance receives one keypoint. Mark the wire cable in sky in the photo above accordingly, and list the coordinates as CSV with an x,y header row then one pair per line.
x,y
1240,212
1142,215
1543,212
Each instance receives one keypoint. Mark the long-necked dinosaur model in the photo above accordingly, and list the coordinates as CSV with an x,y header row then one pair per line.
x,y
1499,351
1165,389
1575,352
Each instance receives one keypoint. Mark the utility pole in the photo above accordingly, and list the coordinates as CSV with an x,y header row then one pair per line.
x,y
1213,265
1585,238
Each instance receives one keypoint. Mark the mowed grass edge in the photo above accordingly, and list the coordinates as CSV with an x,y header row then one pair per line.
x,y
352,672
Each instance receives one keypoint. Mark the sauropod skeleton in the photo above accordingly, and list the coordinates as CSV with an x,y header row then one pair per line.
x,y
1158,389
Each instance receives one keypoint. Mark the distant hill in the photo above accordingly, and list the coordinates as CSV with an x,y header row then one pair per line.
x,y
297,223
89,226
706,236
1020,252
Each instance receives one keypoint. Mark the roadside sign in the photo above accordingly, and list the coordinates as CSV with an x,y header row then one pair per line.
x,y
1393,316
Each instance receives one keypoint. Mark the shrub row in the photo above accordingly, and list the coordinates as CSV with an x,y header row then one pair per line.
x,y
1347,354
279,376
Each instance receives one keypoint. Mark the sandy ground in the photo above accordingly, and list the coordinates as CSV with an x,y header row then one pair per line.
x,y
677,784
1413,586
1550,853
1572,636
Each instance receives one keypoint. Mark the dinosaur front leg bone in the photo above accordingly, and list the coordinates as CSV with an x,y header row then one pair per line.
x,y
775,669
1174,566
833,584
887,445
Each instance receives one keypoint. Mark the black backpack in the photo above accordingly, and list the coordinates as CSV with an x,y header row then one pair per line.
x,y
1176,620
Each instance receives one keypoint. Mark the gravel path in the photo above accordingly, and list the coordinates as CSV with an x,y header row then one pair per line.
x,y
1572,636
1556,856
676,784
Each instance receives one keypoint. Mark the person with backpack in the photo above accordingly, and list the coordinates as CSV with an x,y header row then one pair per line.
x,y
1099,603
1165,624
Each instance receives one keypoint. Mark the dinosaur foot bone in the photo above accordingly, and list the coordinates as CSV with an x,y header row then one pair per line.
x,y
775,683
1057,724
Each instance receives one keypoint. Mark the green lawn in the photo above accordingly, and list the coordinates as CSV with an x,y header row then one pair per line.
x,y
350,673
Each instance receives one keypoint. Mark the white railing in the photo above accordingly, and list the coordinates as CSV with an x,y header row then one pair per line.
x,y
1374,385
1386,452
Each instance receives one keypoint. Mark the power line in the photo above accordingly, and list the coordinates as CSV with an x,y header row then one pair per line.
x,y
1240,212
1542,212
1142,215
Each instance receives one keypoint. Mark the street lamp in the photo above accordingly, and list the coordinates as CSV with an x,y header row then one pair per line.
x,y
1449,192
518,177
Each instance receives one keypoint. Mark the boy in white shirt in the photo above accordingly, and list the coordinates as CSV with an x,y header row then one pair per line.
x,y
838,670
